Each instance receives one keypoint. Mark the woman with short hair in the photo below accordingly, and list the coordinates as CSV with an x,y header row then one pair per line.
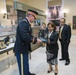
x,y
52,47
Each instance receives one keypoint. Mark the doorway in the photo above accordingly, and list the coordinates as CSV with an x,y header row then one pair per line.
x,y
20,15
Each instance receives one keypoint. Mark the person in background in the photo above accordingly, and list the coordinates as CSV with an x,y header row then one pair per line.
x,y
23,39
64,37
52,47
42,32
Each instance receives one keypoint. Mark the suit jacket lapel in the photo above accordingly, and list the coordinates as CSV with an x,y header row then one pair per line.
x,y
52,34
63,28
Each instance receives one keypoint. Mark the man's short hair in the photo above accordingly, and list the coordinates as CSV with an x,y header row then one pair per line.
x,y
63,19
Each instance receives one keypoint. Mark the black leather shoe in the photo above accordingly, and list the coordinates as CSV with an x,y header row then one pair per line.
x,y
67,63
56,73
48,71
32,74
61,59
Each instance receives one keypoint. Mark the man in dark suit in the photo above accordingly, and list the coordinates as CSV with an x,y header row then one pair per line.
x,y
23,39
64,37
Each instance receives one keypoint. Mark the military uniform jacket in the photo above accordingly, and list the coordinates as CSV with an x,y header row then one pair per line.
x,y
23,37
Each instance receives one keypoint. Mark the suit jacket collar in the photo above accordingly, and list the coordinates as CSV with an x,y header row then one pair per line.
x,y
52,33
64,27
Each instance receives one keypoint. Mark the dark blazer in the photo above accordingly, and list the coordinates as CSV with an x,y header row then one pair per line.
x,y
66,34
23,37
53,46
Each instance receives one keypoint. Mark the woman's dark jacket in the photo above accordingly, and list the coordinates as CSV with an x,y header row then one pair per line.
x,y
53,46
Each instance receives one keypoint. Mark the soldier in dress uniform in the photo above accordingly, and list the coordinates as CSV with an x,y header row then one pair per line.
x,y
23,39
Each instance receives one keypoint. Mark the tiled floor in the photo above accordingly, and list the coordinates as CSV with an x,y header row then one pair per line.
x,y
39,66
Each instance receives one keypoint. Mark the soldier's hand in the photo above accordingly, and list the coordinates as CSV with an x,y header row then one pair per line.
x,y
48,41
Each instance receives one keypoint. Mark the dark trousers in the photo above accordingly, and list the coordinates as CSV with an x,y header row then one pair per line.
x,y
23,65
64,51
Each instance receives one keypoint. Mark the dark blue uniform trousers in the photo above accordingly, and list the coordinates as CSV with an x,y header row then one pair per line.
x,y
23,64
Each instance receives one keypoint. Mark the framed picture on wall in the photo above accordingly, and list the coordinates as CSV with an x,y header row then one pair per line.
x,y
54,12
74,22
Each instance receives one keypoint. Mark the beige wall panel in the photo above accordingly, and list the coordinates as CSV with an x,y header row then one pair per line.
x,y
54,2
9,2
70,6
21,1
40,4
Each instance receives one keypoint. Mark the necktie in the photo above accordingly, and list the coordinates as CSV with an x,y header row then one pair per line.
x,y
60,32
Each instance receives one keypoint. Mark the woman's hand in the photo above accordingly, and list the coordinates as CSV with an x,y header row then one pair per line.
x,y
48,41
